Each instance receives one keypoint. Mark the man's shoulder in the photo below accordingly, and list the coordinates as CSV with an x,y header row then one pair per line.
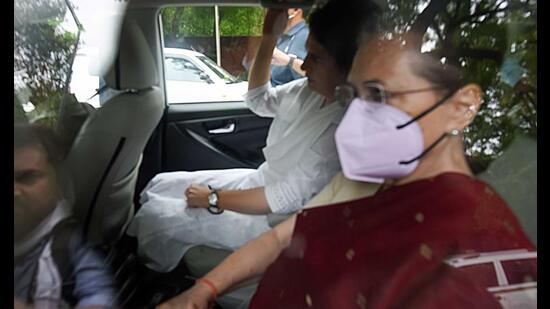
x,y
300,32
303,30
299,27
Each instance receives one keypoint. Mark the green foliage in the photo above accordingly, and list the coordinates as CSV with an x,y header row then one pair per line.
x,y
195,21
478,36
199,21
18,112
47,112
236,21
42,53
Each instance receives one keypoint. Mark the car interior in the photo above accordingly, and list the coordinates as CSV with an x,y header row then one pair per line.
x,y
117,148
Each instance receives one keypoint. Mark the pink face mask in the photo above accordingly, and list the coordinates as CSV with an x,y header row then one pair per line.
x,y
371,147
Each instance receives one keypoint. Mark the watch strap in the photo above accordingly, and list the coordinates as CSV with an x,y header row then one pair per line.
x,y
291,61
214,209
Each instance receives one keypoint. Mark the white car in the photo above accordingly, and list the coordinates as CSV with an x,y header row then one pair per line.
x,y
510,276
191,77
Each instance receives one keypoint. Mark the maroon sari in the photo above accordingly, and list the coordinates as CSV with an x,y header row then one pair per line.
x,y
388,250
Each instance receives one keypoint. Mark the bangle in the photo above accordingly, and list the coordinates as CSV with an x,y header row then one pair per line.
x,y
210,285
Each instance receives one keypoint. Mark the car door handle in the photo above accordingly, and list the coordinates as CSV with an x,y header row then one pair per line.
x,y
229,128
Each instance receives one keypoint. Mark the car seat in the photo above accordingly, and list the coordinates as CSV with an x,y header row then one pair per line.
x,y
106,152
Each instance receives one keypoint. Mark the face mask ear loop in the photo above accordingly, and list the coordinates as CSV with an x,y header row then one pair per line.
x,y
426,150
424,113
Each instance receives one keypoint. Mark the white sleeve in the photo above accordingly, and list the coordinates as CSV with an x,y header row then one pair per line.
x,y
316,168
266,100
263,100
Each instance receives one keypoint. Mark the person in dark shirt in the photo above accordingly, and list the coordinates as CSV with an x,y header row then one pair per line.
x,y
290,51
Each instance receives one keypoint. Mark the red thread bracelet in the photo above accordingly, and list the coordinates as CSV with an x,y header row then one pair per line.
x,y
210,285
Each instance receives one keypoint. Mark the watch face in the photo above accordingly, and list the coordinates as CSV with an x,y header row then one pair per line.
x,y
213,199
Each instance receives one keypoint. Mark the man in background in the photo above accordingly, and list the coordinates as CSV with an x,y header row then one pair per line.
x,y
52,268
290,51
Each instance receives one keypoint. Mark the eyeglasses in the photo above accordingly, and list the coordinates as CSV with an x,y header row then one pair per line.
x,y
372,92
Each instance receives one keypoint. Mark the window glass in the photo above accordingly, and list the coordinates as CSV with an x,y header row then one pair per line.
x,y
192,31
494,44
45,39
484,273
520,271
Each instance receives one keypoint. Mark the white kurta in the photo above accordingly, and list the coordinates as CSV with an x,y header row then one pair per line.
x,y
301,159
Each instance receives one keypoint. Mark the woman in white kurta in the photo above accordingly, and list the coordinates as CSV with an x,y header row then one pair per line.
x,y
300,154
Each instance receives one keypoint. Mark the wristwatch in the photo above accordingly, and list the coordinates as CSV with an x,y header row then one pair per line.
x,y
291,61
213,202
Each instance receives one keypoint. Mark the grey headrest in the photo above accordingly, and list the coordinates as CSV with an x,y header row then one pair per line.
x,y
136,65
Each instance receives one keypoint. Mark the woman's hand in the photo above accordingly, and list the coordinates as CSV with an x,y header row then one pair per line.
x,y
275,22
197,297
197,196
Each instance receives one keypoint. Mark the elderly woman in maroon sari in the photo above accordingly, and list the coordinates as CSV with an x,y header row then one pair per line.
x,y
389,250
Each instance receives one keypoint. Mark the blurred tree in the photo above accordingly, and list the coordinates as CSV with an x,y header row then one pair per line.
x,y
18,112
180,22
241,21
494,43
42,54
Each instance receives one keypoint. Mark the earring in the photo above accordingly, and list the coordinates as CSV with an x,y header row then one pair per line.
x,y
455,132
471,111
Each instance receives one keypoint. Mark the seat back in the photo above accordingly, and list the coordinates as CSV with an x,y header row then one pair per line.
x,y
106,153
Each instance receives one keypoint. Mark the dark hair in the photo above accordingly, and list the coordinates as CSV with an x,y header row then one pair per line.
x,y
425,65
428,67
338,24
46,140
32,135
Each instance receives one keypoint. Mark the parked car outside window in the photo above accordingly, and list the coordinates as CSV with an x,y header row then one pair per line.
x,y
192,77
511,276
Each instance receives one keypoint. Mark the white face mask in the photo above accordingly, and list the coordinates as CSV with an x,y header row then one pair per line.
x,y
377,141
369,145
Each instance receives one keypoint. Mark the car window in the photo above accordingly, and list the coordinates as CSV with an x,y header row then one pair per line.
x,y
484,272
217,38
57,51
182,70
45,41
494,44
520,271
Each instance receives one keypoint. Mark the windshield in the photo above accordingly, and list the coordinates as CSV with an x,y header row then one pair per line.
x,y
223,74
